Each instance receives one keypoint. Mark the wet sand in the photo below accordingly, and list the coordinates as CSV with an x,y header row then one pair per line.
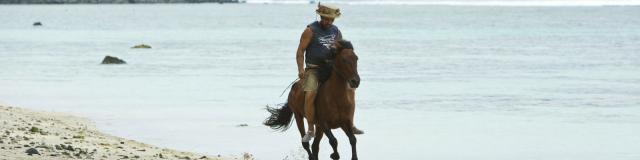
x,y
26,134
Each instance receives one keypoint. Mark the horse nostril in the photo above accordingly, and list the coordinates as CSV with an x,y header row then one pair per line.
x,y
354,83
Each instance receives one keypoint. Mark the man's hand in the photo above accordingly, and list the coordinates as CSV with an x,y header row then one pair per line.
x,y
301,74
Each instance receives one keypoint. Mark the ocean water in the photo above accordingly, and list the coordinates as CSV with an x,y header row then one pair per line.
x,y
461,2
438,81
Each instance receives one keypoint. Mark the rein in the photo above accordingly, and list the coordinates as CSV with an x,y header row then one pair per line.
x,y
285,89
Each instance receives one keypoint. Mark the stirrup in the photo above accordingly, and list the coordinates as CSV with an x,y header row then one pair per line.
x,y
307,137
355,130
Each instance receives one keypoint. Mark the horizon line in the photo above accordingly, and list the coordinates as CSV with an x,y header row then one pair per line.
x,y
523,3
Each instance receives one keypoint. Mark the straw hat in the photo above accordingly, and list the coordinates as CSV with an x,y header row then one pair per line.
x,y
330,11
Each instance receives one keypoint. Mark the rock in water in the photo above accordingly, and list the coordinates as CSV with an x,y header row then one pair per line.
x,y
37,24
112,60
32,151
142,46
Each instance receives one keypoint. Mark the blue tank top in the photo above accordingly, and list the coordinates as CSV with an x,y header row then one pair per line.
x,y
319,49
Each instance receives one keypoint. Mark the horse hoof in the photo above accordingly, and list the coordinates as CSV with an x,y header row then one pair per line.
x,y
335,156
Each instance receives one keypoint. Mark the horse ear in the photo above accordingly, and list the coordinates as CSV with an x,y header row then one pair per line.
x,y
345,44
338,46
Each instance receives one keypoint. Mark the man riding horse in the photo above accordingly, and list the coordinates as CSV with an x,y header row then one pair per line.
x,y
316,42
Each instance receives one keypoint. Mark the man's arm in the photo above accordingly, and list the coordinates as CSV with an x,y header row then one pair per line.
x,y
305,39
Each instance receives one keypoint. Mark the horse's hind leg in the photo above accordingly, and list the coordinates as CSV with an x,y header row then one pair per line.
x,y
300,123
296,102
316,144
352,140
333,141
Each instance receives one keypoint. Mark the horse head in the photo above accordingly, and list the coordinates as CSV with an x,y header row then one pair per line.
x,y
346,63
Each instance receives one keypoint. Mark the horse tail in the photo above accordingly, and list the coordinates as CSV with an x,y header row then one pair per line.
x,y
280,119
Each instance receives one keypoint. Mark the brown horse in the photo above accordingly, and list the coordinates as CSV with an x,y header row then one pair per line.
x,y
335,103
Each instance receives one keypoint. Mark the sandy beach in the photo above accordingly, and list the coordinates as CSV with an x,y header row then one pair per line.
x,y
29,134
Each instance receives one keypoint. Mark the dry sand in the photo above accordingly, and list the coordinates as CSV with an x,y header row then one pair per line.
x,y
60,136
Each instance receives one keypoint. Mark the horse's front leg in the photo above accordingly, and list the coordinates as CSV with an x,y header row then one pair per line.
x,y
352,140
333,141
316,144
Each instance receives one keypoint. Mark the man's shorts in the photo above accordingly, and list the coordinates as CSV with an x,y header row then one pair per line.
x,y
310,82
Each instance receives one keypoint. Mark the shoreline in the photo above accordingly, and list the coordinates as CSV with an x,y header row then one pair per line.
x,y
51,135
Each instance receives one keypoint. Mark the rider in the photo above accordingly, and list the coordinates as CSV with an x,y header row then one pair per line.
x,y
316,41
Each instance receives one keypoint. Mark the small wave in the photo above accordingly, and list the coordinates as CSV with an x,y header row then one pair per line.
x,y
466,3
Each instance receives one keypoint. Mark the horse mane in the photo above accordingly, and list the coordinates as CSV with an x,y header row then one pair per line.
x,y
345,44
324,71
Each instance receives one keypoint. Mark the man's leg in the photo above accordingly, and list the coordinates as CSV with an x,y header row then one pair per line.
x,y
309,112
310,91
